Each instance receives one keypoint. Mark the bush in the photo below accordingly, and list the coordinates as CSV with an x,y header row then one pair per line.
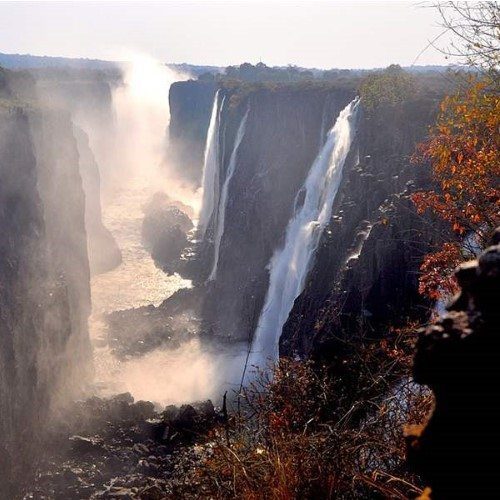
x,y
300,434
388,87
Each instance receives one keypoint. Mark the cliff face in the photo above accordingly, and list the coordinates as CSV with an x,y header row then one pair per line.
x,y
365,271
282,137
103,250
24,287
367,263
44,276
87,97
60,188
190,106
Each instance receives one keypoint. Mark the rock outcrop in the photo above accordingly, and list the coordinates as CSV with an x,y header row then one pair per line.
x,y
457,357
165,231
44,279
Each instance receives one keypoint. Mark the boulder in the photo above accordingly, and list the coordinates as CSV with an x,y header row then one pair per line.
x,y
457,357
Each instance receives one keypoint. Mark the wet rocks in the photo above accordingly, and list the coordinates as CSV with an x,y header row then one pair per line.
x,y
135,332
82,445
165,232
189,420
116,448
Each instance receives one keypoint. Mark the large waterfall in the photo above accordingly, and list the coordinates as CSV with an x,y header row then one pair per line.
x,y
313,206
221,217
210,182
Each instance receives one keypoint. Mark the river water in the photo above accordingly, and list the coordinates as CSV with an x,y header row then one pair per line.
x,y
134,283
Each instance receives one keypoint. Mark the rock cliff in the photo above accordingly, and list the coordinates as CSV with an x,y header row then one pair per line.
x,y
366,271
284,131
44,276
190,106
87,97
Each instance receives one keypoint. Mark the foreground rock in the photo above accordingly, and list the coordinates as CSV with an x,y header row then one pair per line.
x,y
118,448
457,357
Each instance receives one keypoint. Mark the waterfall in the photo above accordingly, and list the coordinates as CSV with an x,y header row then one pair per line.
x,y
290,265
219,230
210,182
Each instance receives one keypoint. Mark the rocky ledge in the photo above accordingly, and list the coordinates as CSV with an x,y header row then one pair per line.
x,y
457,357
121,449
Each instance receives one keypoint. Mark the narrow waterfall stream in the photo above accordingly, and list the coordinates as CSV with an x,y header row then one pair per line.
x,y
210,180
221,217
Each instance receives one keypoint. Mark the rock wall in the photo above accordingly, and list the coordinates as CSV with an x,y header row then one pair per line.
x,y
190,106
44,280
283,135
87,97
365,274
457,357
366,270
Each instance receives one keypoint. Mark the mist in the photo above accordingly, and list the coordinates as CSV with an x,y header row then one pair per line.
x,y
138,166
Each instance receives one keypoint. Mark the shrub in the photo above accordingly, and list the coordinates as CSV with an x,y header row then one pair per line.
x,y
388,87
307,432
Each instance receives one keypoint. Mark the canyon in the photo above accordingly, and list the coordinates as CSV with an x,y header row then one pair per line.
x,y
152,223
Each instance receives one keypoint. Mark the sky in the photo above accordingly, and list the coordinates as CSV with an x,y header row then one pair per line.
x,y
308,33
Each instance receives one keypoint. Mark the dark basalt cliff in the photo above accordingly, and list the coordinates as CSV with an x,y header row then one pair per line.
x,y
366,270
365,273
190,107
44,279
284,130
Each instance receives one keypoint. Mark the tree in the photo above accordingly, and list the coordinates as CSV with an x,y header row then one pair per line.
x,y
475,27
391,86
464,152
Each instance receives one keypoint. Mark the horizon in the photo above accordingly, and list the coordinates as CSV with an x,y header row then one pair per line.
x,y
195,64
317,35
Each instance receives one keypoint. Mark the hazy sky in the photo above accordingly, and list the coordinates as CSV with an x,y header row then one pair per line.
x,y
312,33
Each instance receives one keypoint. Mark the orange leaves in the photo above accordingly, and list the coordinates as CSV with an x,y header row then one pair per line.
x,y
463,149
437,272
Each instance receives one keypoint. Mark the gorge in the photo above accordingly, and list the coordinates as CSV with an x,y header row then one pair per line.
x,y
302,229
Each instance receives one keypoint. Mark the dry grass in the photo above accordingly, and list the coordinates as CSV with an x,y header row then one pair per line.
x,y
312,432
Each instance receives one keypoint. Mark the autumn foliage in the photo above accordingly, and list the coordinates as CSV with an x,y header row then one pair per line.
x,y
464,152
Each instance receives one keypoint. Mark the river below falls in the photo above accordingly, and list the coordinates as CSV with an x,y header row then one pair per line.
x,y
134,283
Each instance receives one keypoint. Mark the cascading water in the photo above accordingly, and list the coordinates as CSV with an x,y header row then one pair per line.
x,y
290,265
219,230
210,181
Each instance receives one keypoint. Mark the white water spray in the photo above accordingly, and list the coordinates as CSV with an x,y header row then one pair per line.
x,y
210,182
219,231
290,265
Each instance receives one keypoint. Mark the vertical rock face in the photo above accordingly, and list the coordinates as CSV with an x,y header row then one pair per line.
x,y
103,250
61,191
282,137
190,106
44,280
87,96
368,259
457,357
24,289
